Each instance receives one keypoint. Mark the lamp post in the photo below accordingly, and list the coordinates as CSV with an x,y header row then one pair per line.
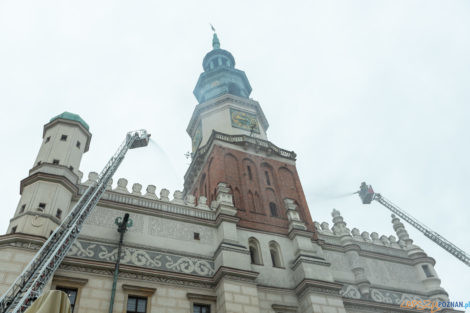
x,y
123,224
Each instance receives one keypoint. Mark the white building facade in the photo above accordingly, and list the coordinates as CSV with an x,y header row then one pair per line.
x,y
238,238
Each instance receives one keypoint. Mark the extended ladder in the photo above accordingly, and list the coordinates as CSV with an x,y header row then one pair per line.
x,y
367,194
28,286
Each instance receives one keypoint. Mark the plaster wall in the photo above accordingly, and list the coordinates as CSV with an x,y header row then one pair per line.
x,y
219,119
37,222
13,260
66,152
269,275
152,231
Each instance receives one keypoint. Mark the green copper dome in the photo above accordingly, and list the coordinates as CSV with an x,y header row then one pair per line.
x,y
73,117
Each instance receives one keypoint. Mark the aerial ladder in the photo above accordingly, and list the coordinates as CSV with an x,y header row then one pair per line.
x,y
367,195
29,285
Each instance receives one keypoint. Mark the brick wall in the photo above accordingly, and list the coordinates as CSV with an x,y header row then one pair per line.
x,y
256,181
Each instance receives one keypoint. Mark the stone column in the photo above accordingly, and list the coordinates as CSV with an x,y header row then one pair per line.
x,y
236,289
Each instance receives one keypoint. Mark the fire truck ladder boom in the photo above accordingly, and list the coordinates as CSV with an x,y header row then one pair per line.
x,y
28,286
367,194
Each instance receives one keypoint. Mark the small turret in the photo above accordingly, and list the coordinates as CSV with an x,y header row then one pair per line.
x,y
47,192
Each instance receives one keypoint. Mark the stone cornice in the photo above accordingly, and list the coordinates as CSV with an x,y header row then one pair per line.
x,y
307,258
298,232
22,240
378,255
234,273
284,308
201,297
318,286
372,306
39,176
230,246
75,281
146,291
154,207
37,213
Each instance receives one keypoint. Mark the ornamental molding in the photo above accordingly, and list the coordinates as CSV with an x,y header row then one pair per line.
x,y
37,215
129,202
135,276
232,247
53,178
230,273
201,297
244,141
384,253
142,258
69,281
280,308
318,286
23,241
146,291
304,258
378,295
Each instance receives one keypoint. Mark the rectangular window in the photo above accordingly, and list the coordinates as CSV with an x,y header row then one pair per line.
x,y
197,236
427,271
136,304
78,144
42,207
58,214
55,161
48,139
13,230
72,293
201,308
39,163
22,208
63,138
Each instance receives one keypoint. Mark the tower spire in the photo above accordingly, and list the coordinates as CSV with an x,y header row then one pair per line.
x,y
215,39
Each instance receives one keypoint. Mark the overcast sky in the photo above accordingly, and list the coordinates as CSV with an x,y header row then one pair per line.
x,y
360,90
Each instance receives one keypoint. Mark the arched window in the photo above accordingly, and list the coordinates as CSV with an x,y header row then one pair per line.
x,y
250,176
273,208
275,252
267,178
255,251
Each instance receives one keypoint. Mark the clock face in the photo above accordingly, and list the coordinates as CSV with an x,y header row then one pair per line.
x,y
244,120
197,138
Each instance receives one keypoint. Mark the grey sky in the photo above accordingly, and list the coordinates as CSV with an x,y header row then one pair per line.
x,y
360,90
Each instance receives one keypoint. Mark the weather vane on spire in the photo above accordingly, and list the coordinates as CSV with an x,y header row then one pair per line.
x,y
215,39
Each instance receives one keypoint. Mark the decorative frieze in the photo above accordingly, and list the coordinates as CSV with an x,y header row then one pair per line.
x,y
143,258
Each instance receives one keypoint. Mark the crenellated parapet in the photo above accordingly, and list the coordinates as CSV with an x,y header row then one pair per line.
x,y
165,201
397,255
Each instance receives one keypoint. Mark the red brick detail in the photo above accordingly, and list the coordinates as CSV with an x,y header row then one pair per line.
x,y
255,181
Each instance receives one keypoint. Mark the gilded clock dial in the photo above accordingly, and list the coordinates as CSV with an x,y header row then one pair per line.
x,y
244,120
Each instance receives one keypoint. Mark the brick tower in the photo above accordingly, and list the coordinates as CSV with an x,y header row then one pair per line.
x,y
230,145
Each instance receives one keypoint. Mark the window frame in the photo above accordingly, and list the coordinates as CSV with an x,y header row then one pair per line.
x,y
137,298
253,243
66,290
273,208
140,292
70,283
201,299
277,259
